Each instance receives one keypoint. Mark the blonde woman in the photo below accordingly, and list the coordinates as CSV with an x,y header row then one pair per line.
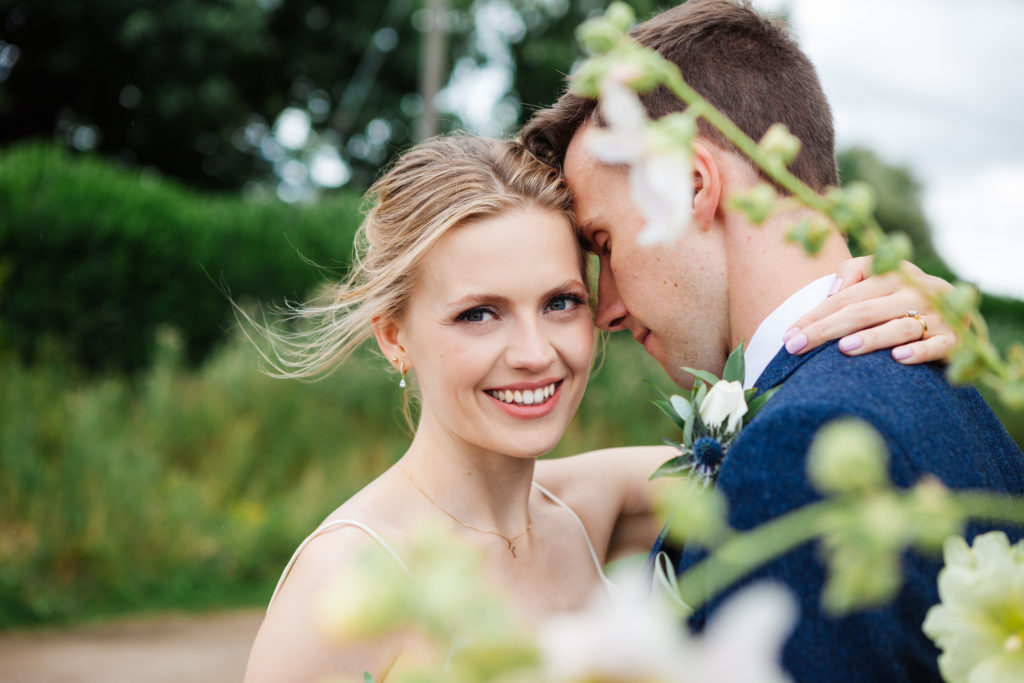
x,y
470,277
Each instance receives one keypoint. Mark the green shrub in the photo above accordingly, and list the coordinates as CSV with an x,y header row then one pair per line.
x,y
191,487
96,258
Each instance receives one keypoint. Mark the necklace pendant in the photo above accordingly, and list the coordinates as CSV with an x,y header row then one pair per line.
x,y
512,549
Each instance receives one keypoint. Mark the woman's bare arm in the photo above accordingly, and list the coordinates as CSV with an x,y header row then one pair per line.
x,y
611,491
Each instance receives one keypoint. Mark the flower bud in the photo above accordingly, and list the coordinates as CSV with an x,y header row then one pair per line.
x,y
965,365
697,514
757,202
779,145
859,579
933,516
621,16
810,233
1011,393
372,599
600,34
963,299
597,35
852,206
725,402
675,129
847,456
894,248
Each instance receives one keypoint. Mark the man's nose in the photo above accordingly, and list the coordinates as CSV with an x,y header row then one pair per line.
x,y
611,309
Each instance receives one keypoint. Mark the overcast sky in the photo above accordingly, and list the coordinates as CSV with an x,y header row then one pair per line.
x,y
936,85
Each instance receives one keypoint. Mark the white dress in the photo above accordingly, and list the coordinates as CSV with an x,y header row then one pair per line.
x,y
337,523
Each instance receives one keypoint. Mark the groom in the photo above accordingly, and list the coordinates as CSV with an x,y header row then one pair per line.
x,y
727,281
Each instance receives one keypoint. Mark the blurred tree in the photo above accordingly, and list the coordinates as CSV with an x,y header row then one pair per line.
x,y
899,202
222,93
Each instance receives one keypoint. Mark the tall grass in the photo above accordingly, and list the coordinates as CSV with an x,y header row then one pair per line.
x,y
192,487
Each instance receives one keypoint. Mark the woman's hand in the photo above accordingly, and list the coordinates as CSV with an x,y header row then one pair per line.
x,y
870,312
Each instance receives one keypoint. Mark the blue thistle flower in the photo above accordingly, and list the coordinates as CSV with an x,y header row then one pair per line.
x,y
708,454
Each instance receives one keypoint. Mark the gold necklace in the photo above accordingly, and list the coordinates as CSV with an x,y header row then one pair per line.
x,y
508,539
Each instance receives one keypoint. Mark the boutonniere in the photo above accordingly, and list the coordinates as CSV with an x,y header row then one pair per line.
x,y
711,416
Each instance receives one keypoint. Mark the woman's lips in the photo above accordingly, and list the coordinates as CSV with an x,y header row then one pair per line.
x,y
527,400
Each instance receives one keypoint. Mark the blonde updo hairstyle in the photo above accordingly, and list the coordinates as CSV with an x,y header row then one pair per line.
x,y
440,184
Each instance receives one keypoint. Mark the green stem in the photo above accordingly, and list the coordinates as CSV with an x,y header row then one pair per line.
x,y
744,552
674,81
990,506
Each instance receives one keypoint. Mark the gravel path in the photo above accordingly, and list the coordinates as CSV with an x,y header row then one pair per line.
x,y
210,648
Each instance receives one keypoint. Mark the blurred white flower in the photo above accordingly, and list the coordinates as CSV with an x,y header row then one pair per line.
x,y
630,636
725,402
743,641
659,157
979,625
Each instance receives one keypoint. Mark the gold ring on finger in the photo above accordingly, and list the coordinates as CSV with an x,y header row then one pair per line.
x,y
917,316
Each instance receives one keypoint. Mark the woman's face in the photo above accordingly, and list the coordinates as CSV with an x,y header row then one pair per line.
x,y
499,333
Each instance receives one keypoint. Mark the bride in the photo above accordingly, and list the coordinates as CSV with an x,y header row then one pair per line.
x,y
469,274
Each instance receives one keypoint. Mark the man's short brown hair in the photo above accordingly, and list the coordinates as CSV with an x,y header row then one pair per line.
x,y
746,65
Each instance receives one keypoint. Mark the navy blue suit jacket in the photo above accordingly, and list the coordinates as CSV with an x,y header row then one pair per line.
x,y
929,426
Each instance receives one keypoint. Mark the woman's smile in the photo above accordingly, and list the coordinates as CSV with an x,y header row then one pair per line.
x,y
527,400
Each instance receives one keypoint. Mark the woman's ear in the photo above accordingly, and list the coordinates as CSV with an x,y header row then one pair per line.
x,y
707,185
388,333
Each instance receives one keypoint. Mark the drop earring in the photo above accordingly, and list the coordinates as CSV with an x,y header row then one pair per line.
x,y
401,369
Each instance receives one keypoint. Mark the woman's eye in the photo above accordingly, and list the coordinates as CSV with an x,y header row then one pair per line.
x,y
475,315
565,302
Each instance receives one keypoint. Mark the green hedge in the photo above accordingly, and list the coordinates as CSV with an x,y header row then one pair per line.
x,y
96,257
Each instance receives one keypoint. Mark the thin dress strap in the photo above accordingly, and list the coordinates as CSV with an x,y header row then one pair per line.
x,y
327,527
590,546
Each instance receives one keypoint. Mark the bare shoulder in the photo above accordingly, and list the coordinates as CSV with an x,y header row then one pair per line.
x,y
295,641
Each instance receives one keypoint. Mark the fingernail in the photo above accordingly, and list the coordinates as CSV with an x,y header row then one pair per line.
x,y
795,344
789,333
851,343
836,284
902,353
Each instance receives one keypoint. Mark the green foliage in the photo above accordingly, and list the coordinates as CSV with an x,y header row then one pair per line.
x,y
183,486
181,85
899,202
98,258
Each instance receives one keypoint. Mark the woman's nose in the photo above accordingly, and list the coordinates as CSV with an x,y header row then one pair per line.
x,y
530,348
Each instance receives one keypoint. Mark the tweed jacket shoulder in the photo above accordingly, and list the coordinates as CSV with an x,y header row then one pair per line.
x,y
929,426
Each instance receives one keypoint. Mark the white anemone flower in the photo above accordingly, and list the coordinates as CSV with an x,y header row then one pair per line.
x,y
632,637
661,169
979,625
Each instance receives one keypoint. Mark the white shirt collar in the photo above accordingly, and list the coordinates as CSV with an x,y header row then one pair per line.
x,y
767,339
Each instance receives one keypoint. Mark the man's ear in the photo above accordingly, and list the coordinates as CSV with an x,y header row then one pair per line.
x,y
707,185
389,338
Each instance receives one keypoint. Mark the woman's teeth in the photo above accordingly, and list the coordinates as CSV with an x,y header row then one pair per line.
x,y
526,397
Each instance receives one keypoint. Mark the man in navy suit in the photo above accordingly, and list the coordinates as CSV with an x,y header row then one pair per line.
x,y
726,281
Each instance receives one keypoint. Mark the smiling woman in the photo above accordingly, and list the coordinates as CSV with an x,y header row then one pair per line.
x,y
470,276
